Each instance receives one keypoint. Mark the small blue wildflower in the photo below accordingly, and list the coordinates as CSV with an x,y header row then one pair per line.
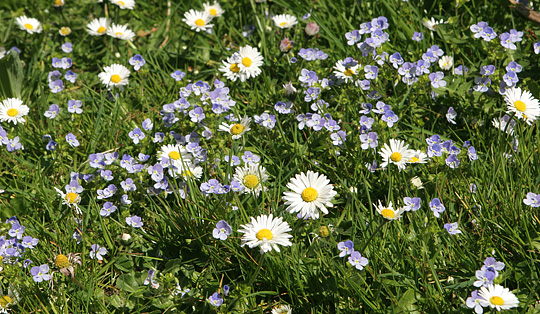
x,y
40,273
215,299
345,248
437,207
357,260
222,230
72,140
107,209
74,106
134,221
137,61
178,75
97,252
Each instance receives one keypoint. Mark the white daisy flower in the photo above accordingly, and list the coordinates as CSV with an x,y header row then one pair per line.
x,y
231,70
281,309
114,75
98,27
178,156
70,199
238,129
446,62
124,4
388,212
12,110
2,52
250,61
285,20
419,157
214,10
345,73
498,297
58,3
198,20
432,24
120,32
524,105
31,25
251,177
64,31
310,193
266,232
417,182
397,153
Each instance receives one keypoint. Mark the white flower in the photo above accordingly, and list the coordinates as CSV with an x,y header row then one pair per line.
x,y
446,62
281,309
251,176
310,193
285,20
266,232
12,110
524,105
497,296
70,199
64,31
417,182
120,32
214,10
397,154
124,4
98,27
389,212
289,88
179,157
238,129
114,75
231,70
250,61
29,24
419,157
432,24
198,20
346,72
2,52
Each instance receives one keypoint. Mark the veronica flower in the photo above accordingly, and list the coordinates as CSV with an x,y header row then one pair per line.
x,y
437,207
137,61
452,228
40,273
357,260
346,248
222,230
71,139
97,252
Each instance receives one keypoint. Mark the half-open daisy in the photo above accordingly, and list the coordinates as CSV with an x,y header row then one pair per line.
x,y
285,20
31,25
120,32
250,61
12,110
388,212
124,4
397,153
251,177
71,199
198,20
214,10
98,27
238,129
419,157
497,296
267,232
524,105
114,75
310,193
346,72
178,156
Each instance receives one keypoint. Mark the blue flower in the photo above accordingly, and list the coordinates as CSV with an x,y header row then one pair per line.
x,y
67,47
40,273
412,203
137,61
134,221
136,135
107,209
97,252
451,115
357,260
215,299
418,36
72,140
346,248
222,230
452,161
178,75
452,228
70,76
437,207
437,79
74,106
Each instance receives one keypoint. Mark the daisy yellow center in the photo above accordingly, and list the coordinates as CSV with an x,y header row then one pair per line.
x,y
213,12
264,233
187,173
61,261
396,157
65,31
520,105
119,34
237,129
199,22
29,26
348,72
282,24
58,2
309,194
251,181
71,197
496,300
101,30
414,159
115,78
5,300
235,68
12,112
174,155
121,3
388,213
246,61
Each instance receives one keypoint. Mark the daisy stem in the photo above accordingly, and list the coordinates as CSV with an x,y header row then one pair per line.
x,y
256,274
372,235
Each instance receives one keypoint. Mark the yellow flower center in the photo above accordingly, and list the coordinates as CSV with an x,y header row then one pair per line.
x,y
121,3
282,24
115,78
61,261
71,197
388,213
414,159
5,300
29,26
199,22
520,105
251,181
174,155
309,195
496,300
235,68
65,30
213,12
349,72
58,2
12,112
101,30
246,61
237,129
264,233
396,157
119,34
187,173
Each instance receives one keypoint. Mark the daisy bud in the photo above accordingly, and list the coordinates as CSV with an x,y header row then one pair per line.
x,y
125,239
312,29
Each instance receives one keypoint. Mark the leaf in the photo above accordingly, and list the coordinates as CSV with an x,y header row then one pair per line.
x,y
127,283
407,299
11,75
124,263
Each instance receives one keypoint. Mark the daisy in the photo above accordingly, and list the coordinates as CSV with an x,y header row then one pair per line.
x,y
64,31
198,20
419,157
397,153
58,3
285,20
266,232
29,24
120,32
98,27
70,199
497,296
446,62
179,157
114,75
432,24
238,129
189,171
524,105
250,61
389,212
310,192
346,72
281,309
231,70
12,110
214,10
251,177
124,4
